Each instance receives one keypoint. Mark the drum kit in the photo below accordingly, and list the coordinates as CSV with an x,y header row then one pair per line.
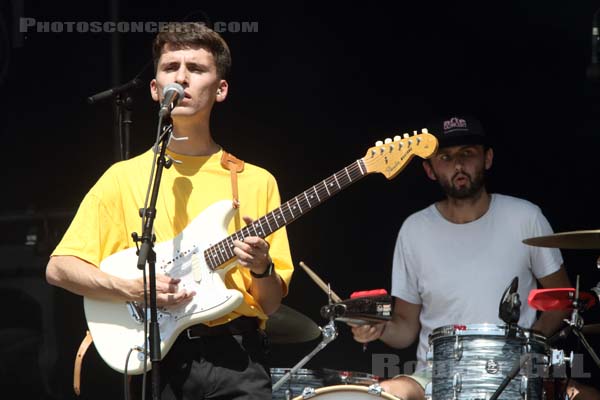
x,y
476,361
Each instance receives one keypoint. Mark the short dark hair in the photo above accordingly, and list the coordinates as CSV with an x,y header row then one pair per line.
x,y
183,35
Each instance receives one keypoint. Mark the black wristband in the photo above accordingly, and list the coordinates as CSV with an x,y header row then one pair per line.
x,y
268,272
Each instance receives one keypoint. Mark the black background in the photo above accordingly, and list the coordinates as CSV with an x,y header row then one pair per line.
x,y
311,90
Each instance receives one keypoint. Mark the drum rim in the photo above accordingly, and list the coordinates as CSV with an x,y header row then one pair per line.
x,y
483,329
350,373
300,371
346,388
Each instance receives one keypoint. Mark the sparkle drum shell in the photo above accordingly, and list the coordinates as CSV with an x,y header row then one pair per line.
x,y
471,361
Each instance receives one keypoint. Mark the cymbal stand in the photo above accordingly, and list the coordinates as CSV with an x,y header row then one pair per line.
x,y
329,332
576,322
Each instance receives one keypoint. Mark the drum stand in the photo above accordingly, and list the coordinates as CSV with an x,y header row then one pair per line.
x,y
576,325
329,332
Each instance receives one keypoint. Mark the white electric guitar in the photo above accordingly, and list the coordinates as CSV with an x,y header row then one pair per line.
x,y
202,254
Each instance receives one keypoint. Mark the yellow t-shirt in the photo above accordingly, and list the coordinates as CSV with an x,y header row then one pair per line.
x,y
109,213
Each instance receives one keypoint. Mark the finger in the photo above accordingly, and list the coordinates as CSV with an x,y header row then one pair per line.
x,y
167,286
246,247
257,243
166,278
175,298
243,258
248,220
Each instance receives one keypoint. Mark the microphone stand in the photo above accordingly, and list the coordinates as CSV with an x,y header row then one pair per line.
x,y
509,311
123,106
146,254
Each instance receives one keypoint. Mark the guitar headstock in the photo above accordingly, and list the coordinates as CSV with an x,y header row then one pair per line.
x,y
391,156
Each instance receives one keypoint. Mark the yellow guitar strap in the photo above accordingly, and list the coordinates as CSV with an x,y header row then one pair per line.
x,y
234,166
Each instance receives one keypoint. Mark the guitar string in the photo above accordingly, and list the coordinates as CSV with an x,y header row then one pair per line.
x,y
222,251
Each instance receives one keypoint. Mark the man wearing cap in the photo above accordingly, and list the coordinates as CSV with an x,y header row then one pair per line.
x,y
454,259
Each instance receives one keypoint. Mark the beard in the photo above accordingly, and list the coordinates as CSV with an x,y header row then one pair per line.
x,y
470,190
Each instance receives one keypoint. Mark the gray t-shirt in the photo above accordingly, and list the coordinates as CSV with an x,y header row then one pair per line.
x,y
458,272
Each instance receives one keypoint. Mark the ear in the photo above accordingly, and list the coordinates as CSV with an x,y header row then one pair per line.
x,y
429,170
154,90
222,91
489,158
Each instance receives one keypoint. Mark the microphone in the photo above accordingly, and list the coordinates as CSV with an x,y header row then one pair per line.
x,y
509,309
132,84
172,95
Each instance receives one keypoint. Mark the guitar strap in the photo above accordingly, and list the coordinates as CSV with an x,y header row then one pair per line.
x,y
228,161
234,165
85,343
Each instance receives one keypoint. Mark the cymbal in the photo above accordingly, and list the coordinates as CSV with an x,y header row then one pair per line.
x,y
589,239
287,325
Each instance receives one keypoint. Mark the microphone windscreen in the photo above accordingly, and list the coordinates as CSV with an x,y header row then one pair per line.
x,y
173,86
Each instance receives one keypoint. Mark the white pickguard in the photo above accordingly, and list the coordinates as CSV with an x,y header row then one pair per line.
x,y
114,327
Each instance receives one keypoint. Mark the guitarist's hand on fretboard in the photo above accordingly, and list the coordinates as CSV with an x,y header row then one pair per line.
x,y
252,252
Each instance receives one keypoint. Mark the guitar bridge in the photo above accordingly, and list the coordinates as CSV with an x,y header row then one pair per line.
x,y
136,311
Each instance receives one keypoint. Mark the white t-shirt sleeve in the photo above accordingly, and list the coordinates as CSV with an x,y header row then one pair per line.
x,y
544,261
404,277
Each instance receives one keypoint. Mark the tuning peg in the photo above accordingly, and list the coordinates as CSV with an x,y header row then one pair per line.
x,y
388,140
415,133
378,143
397,137
405,135
424,130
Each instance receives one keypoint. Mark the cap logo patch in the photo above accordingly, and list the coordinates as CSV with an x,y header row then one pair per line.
x,y
454,123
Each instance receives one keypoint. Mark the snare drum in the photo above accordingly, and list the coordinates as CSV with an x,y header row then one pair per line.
x,y
311,379
299,380
346,392
471,361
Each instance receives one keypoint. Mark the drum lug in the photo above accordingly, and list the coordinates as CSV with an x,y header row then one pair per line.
x,y
429,354
428,391
308,392
524,386
375,389
458,349
456,385
559,359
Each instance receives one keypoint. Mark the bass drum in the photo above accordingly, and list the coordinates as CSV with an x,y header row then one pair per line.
x,y
346,392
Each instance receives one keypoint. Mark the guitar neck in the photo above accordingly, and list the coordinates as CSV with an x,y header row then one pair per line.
x,y
221,252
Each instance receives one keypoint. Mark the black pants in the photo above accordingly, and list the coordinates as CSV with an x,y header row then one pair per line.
x,y
213,367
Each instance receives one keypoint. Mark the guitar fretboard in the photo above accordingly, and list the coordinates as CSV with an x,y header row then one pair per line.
x,y
289,211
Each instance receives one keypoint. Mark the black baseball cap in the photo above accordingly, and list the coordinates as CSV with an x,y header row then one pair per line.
x,y
457,130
